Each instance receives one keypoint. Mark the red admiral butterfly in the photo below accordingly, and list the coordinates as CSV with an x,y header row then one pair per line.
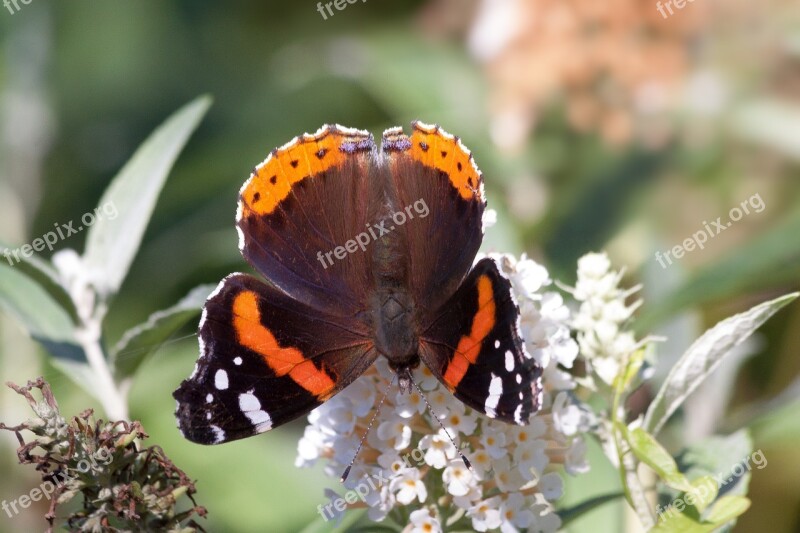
x,y
270,352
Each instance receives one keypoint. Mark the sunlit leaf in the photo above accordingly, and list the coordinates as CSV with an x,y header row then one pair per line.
x,y
46,321
43,273
645,447
727,508
705,355
141,341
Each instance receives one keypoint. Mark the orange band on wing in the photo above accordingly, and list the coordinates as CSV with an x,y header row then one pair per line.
x,y
469,346
255,336
435,148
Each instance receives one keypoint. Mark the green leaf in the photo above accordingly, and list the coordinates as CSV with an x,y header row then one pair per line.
x,y
143,340
703,493
718,456
34,308
724,510
704,356
645,447
45,275
727,508
46,321
631,370
575,512
113,240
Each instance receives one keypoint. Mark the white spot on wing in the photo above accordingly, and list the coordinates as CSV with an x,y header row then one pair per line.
x,y
221,380
219,435
495,390
519,378
518,415
251,408
496,344
237,361
509,361
209,398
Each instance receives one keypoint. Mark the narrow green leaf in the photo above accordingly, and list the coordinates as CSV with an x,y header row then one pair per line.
x,y
681,523
704,356
143,340
645,447
575,512
625,378
47,322
128,203
43,273
34,308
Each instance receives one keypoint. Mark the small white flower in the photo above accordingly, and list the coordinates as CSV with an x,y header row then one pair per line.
x,y
396,432
457,421
551,486
423,522
458,478
468,500
531,459
408,487
391,462
568,417
438,449
481,463
514,513
507,477
486,514
425,378
408,405
494,443
575,459
380,503
361,394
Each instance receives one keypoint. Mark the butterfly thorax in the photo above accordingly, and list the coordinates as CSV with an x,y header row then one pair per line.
x,y
392,305
395,335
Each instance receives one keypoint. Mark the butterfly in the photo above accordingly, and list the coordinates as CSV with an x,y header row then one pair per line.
x,y
365,252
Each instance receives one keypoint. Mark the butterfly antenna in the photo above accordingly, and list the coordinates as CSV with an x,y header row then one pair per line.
x,y
369,426
433,414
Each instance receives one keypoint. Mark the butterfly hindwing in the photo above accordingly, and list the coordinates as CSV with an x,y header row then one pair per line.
x,y
265,359
474,347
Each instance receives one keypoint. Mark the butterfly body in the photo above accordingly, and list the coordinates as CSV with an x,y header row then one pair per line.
x,y
366,253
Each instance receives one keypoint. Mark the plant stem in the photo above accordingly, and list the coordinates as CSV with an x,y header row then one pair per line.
x,y
114,403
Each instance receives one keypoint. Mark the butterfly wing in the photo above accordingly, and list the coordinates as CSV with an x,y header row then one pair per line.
x,y
475,349
265,359
437,183
299,212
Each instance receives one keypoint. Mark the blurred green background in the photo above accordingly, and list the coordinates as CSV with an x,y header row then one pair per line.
x,y
597,126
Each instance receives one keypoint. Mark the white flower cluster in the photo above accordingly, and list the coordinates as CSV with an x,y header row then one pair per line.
x,y
600,321
409,467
